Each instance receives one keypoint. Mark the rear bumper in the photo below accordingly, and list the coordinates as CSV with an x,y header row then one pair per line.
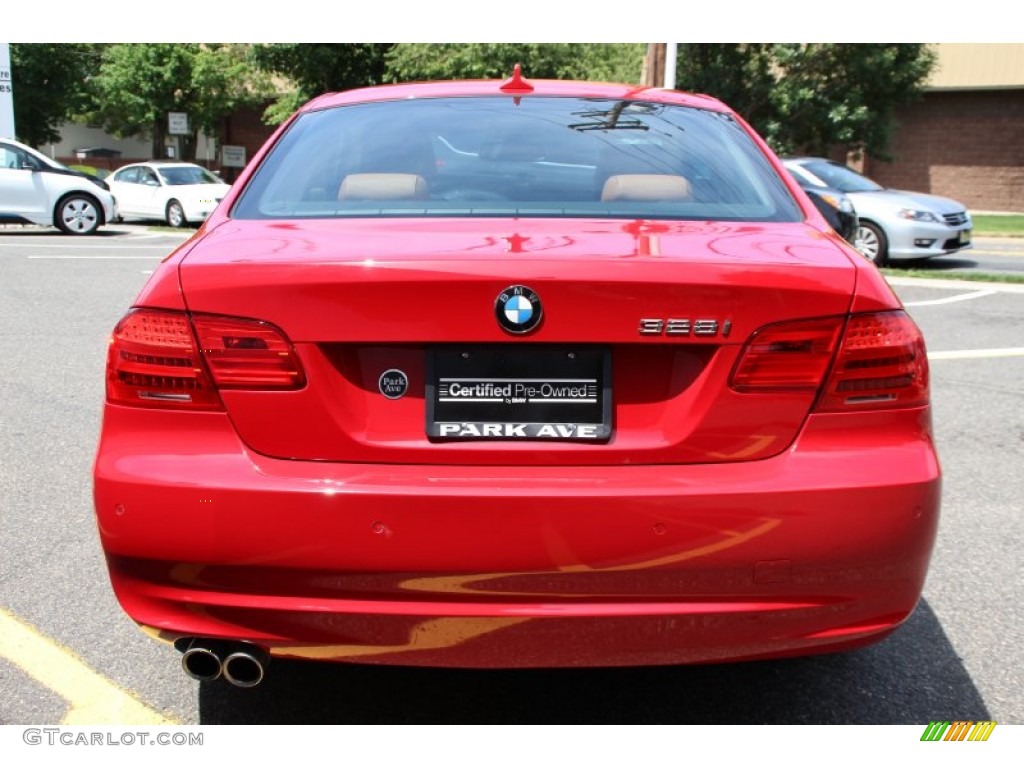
x,y
823,547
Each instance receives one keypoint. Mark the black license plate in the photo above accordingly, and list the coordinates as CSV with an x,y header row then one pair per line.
x,y
519,393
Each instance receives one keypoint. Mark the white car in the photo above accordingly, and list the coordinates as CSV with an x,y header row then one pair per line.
x,y
36,189
178,193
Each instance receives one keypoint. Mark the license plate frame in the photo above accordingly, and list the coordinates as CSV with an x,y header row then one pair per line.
x,y
545,393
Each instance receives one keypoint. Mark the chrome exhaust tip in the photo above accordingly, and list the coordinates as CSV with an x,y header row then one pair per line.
x,y
245,666
201,661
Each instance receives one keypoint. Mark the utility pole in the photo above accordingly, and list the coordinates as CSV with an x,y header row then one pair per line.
x,y
659,69
654,65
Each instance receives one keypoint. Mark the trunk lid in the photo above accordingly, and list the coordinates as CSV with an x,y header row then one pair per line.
x,y
668,304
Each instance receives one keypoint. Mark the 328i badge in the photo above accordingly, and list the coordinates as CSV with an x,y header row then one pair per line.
x,y
515,374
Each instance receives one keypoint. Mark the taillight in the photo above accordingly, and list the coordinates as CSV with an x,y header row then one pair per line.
x,y
866,361
788,356
247,354
882,363
154,360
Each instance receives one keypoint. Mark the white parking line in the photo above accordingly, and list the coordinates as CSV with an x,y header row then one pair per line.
x,y
96,258
962,285
952,299
122,245
155,235
974,354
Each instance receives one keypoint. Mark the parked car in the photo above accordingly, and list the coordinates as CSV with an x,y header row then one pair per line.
x,y
835,206
178,193
893,223
36,189
515,374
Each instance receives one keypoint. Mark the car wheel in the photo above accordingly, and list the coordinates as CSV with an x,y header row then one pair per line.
x,y
872,243
175,214
78,215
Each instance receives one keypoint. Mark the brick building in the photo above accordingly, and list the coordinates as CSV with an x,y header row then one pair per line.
x,y
965,138
243,128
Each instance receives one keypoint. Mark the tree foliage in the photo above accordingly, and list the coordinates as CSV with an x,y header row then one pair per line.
x,y
139,83
317,68
324,67
811,97
49,86
567,61
801,97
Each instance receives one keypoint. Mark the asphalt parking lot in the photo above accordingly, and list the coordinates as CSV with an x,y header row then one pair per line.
x,y
69,655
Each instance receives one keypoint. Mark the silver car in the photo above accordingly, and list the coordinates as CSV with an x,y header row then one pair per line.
x,y
893,223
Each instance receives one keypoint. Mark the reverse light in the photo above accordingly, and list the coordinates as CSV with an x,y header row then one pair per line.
x,y
155,361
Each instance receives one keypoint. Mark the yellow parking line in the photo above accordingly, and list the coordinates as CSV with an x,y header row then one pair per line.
x,y
91,698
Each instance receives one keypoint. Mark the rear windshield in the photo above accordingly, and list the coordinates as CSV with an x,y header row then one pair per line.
x,y
545,156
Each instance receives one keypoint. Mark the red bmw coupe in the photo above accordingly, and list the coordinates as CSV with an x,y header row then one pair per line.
x,y
516,374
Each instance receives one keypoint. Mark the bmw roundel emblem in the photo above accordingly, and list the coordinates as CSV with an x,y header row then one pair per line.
x,y
518,309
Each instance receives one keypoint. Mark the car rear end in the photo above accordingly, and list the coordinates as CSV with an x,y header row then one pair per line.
x,y
426,425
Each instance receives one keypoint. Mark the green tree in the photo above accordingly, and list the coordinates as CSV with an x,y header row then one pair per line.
x,y
560,61
316,68
811,97
139,83
49,86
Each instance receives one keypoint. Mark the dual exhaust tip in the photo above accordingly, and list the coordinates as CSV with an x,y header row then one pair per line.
x,y
241,664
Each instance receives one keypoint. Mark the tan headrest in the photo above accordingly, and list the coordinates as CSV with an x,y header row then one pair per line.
x,y
646,187
383,186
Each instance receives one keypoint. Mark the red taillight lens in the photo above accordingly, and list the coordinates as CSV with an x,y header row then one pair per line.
x,y
247,354
787,356
154,360
882,363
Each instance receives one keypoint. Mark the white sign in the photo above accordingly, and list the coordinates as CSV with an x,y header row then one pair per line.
x,y
6,93
232,157
177,123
